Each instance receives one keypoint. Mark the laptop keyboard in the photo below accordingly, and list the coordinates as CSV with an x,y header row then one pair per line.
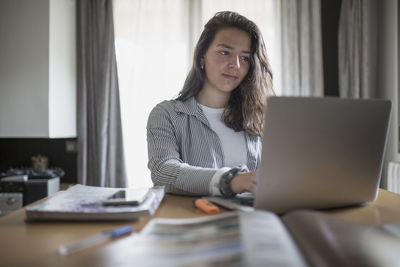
x,y
238,203
243,201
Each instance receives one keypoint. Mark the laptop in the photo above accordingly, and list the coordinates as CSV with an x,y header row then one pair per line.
x,y
319,153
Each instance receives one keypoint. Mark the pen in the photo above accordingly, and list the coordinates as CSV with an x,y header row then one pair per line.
x,y
66,249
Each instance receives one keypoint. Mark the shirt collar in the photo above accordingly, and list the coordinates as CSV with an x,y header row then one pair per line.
x,y
191,107
188,106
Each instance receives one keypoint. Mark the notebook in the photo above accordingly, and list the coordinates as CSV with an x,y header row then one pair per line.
x,y
320,153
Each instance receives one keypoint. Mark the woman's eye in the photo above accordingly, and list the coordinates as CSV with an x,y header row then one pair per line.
x,y
224,53
244,58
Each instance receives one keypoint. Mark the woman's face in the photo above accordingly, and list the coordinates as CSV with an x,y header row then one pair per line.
x,y
227,60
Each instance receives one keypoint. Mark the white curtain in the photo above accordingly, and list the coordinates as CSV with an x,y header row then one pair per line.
x,y
356,47
152,55
301,50
154,45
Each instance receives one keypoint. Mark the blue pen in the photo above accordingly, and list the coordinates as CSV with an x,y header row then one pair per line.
x,y
66,249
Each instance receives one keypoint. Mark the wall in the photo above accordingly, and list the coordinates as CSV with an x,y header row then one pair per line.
x,y
62,68
24,67
330,11
37,68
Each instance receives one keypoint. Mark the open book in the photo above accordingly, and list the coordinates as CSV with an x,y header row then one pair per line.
x,y
82,202
260,238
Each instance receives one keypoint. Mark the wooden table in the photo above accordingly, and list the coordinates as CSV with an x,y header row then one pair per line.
x,y
36,243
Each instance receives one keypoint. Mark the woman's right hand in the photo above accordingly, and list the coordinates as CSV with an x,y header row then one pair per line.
x,y
244,182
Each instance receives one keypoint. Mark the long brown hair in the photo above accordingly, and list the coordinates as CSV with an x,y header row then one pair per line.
x,y
245,107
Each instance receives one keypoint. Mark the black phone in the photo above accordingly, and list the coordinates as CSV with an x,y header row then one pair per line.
x,y
129,196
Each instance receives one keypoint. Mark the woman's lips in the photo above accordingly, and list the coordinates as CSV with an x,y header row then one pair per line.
x,y
230,77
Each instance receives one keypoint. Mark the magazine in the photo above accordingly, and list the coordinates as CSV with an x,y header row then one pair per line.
x,y
81,202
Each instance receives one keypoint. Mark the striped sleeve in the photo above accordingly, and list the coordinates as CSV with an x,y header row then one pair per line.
x,y
165,163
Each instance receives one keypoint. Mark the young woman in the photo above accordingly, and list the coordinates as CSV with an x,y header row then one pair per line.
x,y
207,141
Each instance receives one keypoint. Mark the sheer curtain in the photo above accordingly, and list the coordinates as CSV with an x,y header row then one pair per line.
x,y
301,53
154,44
152,54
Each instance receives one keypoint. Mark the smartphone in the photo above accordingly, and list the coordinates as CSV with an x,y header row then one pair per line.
x,y
129,196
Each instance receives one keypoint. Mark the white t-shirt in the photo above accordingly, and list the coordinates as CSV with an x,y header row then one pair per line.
x,y
233,144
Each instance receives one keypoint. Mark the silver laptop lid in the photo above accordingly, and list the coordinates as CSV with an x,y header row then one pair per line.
x,y
321,152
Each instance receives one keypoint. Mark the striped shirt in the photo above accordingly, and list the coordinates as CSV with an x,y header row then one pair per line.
x,y
184,152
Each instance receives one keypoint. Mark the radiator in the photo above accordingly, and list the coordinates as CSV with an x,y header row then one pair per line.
x,y
393,177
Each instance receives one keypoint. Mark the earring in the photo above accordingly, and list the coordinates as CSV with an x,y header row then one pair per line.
x,y
202,66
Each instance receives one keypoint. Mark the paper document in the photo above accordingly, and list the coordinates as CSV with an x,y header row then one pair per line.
x,y
228,239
